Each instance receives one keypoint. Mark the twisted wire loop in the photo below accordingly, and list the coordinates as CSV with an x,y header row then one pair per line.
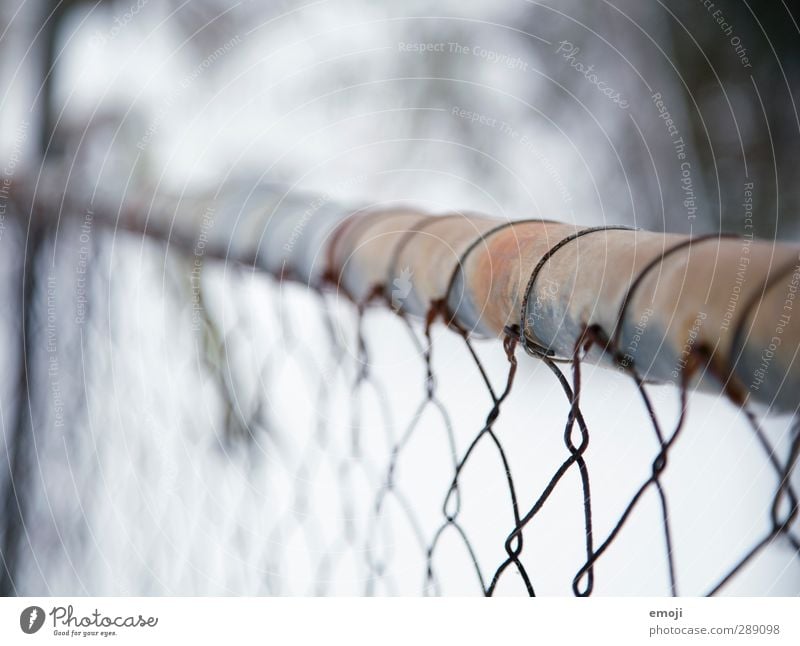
x,y
576,453
533,347
613,342
440,306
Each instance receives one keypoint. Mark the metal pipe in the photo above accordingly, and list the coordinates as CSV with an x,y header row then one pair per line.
x,y
653,302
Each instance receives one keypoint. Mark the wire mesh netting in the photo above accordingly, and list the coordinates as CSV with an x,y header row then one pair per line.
x,y
197,427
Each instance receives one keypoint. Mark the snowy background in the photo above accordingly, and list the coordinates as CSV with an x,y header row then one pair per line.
x,y
142,457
